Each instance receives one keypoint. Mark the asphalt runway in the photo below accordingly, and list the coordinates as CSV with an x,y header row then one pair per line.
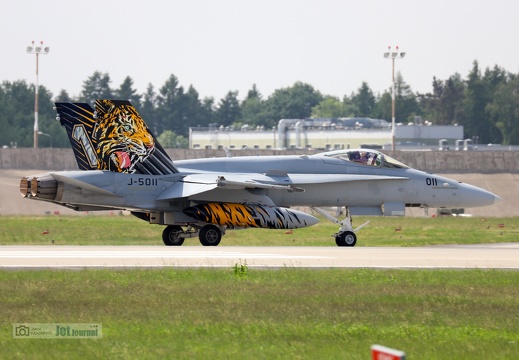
x,y
495,256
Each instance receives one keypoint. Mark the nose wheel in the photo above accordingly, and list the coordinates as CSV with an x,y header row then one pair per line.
x,y
346,238
346,235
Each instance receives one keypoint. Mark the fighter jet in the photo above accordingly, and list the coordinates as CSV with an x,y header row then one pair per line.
x,y
123,166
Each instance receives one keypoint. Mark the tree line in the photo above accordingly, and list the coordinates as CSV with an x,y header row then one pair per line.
x,y
486,103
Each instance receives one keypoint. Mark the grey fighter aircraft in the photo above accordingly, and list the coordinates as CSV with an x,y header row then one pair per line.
x,y
122,166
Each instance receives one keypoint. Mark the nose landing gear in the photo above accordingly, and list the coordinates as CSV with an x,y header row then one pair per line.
x,y
346,235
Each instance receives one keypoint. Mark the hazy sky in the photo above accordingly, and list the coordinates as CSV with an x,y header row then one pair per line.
x,y
222,45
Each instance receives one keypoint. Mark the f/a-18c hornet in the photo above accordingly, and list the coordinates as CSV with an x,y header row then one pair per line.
x,y
122,166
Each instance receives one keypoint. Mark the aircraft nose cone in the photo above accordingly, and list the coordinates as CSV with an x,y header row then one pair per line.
x,y
475,197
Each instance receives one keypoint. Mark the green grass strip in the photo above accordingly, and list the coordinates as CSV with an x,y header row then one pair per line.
x,y
382,231
259,314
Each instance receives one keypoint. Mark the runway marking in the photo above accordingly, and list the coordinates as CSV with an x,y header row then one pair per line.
x,y
496,256
66,254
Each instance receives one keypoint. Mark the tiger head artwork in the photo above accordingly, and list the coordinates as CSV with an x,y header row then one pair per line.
x,y
123,139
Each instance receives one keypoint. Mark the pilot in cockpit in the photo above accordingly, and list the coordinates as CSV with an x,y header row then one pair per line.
x,y
363,157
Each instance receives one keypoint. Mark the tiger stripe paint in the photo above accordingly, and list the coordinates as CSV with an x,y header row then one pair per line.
x,y
113,137
258,216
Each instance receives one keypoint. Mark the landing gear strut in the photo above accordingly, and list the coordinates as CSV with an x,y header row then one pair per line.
x,y
346,235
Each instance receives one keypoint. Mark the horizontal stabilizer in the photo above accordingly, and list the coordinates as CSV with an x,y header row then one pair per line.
x,y
81,184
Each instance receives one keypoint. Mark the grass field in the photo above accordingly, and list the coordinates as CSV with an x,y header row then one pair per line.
x,y
257,314
382,231
263,314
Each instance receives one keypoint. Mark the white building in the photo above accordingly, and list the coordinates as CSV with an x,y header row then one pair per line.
x,y
323,134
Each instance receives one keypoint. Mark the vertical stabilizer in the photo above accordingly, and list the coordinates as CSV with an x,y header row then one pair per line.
x,y
113,137
78,120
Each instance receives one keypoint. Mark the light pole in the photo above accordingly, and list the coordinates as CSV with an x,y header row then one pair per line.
x,y
36,49
393,55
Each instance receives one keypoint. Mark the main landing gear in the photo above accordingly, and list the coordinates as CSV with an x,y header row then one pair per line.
x,y
346,235
209,235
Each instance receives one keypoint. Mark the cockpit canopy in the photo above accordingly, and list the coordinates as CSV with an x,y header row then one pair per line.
x,y
366,157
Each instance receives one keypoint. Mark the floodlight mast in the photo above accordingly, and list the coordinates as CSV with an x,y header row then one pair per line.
x,y
36,49
393,55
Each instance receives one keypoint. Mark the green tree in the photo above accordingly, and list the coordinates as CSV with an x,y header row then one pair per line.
x,y
148,109
63,97
229,111
476,121
17,116
179,110
168,105
492,80
452,98
127,92
96,87
406,105
169,140
330,107
253,93
295,102
192,111
504,111
253,108
56,134
444,105
364,100
350,109
383,107
431,102
207,112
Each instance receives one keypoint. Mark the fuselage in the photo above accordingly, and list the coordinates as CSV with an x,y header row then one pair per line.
x,y
371,186
381,186
124,167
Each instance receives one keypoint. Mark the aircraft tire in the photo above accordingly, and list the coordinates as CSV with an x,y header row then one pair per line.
x,y
210,235
170,236
346,238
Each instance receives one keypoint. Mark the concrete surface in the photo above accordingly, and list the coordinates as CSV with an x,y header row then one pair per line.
x,y
497,256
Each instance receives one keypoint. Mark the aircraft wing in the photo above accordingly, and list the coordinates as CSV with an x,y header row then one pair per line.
x,y
291,182
188,186
197,184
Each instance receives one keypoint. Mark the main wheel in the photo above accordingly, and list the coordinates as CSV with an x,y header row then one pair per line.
x,y
171,237
210,235
347,238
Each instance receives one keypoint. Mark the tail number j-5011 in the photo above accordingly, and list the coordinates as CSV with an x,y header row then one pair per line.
x,y
431,181
143,181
